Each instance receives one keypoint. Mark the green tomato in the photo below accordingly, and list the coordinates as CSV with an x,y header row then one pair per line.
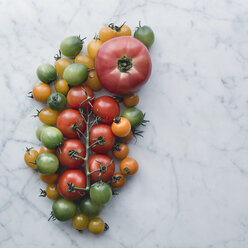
x,y
89,208
71,46
134,115
145,35
56,101
100,193
75,74
39,130
47,163
51,137
46,73
64,209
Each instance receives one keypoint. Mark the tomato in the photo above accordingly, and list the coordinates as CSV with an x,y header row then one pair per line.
x,y
94,164
145,35
93,82
100,193
64,209
39,130
80,221
46,73
128,166
41,92
71,46
86,60
66,151
77,95
49,179
48,116
45,149
120,151
89,208
101,132
118,180
134,115
121,127
61,86
70,123
75,74
124,30
61,64
30,157
93,47
56,101
131,100
107,108
52,191
51,137
76,177
127,138
47,163
123,65
96,225
106,33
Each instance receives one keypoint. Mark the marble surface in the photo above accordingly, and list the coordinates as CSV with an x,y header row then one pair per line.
x,y
191,189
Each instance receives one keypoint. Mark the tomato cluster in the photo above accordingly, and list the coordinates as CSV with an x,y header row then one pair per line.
x,y
84,137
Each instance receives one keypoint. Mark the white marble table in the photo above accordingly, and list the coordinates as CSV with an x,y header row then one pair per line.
x,y
191,189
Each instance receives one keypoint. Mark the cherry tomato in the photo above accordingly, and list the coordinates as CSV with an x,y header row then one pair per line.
x,y
145,35
118,180
41,92
100,193
96,225
80,221
128,166
131,100
102,133
48,116
94,164
61,64
123,65
61,86
134,115
93,47
89,208
56,101
127,138
46,73
68,153
93,82
47,163
52,191
107,108
40,129
49,179
45,149
30,157
124,30
70,123
121,127
51,137
71,46
120,151
76,177
85,59
106,33
77,95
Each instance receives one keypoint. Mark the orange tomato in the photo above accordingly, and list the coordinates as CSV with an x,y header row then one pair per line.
x,y
118,180
106,33
61,64
48,116
120,151
49,179
131,100
93,47
30,157
127,138
52,191
85,59
93,82
45,149
41,92
61,86
121,127
128,166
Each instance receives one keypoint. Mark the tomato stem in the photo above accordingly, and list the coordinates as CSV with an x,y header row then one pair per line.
x,y
42,193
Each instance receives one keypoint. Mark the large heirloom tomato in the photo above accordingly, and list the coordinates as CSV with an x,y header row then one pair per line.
x,y
123,65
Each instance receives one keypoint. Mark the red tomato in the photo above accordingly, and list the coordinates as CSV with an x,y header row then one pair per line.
x,y
77,95
70,123
123,65
105,132
77,177
107,108
64,157
95,165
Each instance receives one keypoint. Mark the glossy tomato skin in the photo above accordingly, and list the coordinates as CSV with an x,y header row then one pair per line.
x,y
66,122
89,208
64,157
95,165
107,108
109,61
100,193
77,95
77,177
104,131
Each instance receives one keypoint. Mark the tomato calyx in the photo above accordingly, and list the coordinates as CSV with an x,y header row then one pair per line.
x,y
124,64
74,154
42,193
28,149
72,188
117,119
82,40
117,147
116,178
116,28
57,56
127,170
30,94
98,141
106,227
76,126
52,217
38,112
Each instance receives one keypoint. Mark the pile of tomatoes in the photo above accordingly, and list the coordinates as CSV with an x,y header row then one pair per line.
x,y
81,134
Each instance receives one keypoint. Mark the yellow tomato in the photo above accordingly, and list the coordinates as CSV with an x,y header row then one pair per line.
x,y
123,31
96,225
61,64
48,116
85,59
52,191
106,33
80,221
93,47
30,157
49,179
61,86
